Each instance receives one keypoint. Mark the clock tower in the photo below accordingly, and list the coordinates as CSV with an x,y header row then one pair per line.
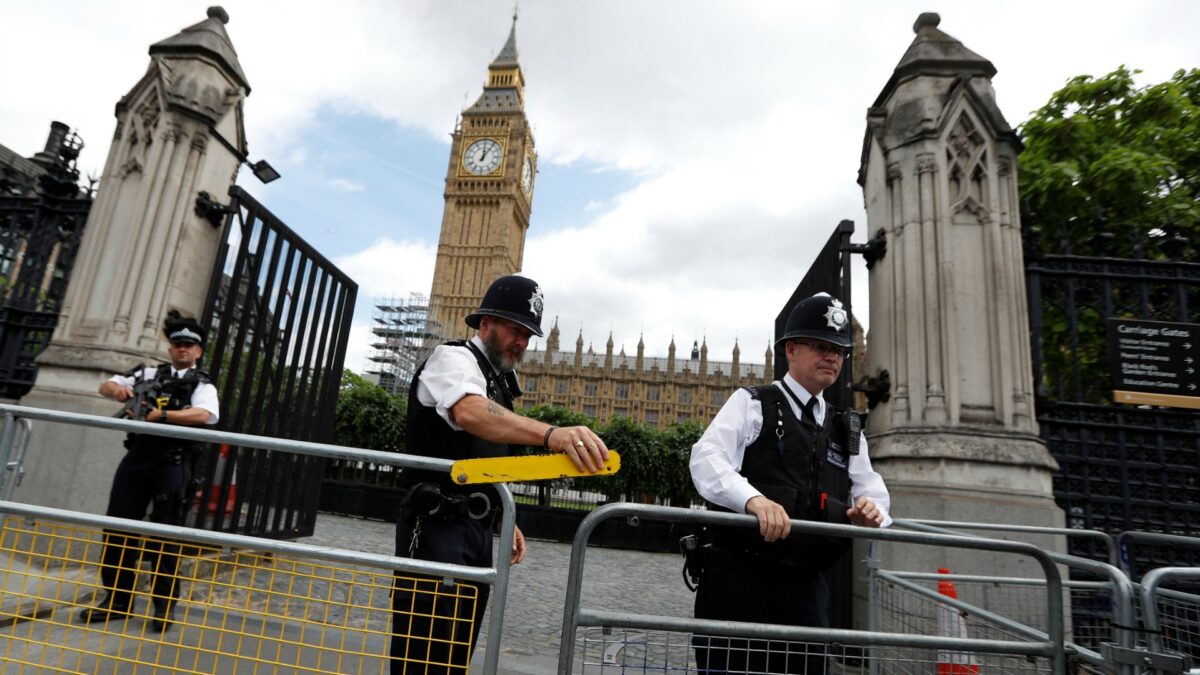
x,y
489,192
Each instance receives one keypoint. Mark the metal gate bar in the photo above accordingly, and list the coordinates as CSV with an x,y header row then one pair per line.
x,y
279,315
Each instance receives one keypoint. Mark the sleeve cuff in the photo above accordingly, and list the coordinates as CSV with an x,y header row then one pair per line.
x,y
739,495
451,397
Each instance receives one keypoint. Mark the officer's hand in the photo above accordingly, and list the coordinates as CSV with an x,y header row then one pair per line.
x,y
865,514
123,394
153,415
518,549
773,520
582,445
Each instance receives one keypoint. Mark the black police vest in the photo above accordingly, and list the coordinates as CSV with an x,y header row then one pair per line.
x,y
429,435
178,394
803,467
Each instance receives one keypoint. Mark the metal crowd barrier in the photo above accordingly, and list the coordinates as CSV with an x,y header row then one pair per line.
x,y
627,643
1105,634
1128,541
14,441
245,602
1171,618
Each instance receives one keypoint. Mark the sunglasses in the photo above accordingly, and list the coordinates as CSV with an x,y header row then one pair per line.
x,y
825,348
182,343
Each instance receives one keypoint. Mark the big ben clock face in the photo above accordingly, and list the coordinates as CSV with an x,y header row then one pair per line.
x,y
527,176
483,156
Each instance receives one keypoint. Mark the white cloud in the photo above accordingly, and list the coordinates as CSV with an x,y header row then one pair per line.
x,y
346,185
389,269
386,269
359,347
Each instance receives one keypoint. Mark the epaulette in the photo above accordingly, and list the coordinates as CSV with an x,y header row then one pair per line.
x,y
757,391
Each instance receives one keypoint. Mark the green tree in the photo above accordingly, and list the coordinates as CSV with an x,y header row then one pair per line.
x,y
640,446
368,416
677,486
1104,148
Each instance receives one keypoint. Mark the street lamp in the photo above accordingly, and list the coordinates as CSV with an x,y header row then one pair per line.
x,y
261,169
212,210
264,171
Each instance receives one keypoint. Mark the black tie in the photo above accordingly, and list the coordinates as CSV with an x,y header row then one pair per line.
x,y
809,407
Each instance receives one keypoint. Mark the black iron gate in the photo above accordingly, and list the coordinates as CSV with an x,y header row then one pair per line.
x,y
42,214
278,317
1122,467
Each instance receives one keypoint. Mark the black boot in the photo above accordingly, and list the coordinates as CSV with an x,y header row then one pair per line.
x,y
164,614
105,611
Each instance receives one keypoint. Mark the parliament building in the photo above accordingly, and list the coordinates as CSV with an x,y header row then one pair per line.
x,y
654,390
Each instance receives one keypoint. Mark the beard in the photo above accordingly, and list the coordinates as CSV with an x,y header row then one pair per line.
x,y
503,360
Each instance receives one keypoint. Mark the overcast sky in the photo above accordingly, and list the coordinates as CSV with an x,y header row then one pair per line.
x,y
694,155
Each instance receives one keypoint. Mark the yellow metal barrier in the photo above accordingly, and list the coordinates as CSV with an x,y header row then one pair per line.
x,y
238,611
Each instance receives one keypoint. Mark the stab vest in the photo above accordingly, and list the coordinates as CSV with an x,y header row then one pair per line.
x,y
178,394
429,435
803,467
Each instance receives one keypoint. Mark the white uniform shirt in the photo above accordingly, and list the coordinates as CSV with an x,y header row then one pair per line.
x,y
204,396
450,374
717,456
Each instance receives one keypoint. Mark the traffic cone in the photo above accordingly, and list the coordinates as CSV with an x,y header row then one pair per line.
x,y
214,493
950,623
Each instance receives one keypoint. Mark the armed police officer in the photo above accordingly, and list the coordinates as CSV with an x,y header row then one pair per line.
x,y
155,472
459,407
780,452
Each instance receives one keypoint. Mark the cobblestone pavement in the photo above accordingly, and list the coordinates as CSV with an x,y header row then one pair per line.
x,y
614,580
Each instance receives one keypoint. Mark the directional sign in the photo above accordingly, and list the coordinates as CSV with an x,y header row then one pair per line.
x,y
1155,362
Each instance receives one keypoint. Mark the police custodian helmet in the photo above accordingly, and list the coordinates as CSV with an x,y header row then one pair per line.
x,y
820,317
179,328
518,299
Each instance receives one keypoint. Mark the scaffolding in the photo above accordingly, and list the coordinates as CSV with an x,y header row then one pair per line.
x,y
403,331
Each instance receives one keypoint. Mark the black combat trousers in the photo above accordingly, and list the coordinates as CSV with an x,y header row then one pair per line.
x,y
739,587
144,478
435,627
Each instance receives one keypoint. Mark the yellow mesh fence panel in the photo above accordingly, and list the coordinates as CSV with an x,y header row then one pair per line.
x,y
235,611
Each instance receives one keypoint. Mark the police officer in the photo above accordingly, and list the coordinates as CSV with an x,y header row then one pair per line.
x,y
155,472
780,452
459,407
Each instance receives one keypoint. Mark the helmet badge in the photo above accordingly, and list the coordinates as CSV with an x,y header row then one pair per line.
x,y
536,300
835,316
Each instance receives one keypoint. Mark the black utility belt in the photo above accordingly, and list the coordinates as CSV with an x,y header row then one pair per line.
x,y
752,559
429,500
172,454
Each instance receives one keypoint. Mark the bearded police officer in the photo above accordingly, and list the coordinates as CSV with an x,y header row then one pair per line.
x,y
460,407
780,452
155,472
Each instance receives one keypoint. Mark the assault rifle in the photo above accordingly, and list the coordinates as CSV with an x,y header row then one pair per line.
x,y
148,394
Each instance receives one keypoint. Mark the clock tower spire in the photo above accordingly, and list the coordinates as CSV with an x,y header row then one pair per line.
x,y
489,194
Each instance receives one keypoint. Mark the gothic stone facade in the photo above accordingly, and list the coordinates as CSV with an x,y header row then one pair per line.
x,y
652,390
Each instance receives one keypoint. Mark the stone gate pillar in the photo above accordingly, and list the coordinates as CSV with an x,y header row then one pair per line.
x,y
948,320
144,252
